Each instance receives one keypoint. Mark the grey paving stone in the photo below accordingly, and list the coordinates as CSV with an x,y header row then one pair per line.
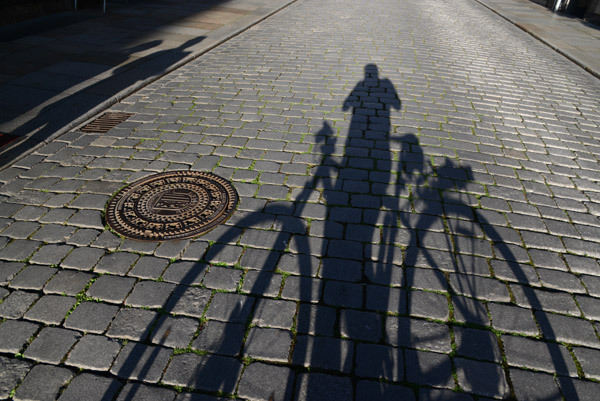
x,y
137,361
512,319
14,334
132,324
479,287
477,344
116,263
274,314
567,329
268,344
207,372
583,265
12,372
21,229
19,250
220,338
91,317
589,359
87,219
367,390
82,258
30,213
52,344
90,201
189,301
535,354
348,295
552,301
94,352
195,251
482,378
8,270
189,273
534,385
149,267
427,304
222,253
303,265
174,332
33,277
197,397
222,278
67,282
302,289
357,325
428,368
379,362
341,269
272,240
87,386
83,237
57,216
563,281
53,233
262,283
323,352
43,383
592,283
578,389
141,392
260,382
315,319
434,394
321,387
590,307
112,289
107,240
51,254
171,249
16,304
232,308
414,333
150,294
51,309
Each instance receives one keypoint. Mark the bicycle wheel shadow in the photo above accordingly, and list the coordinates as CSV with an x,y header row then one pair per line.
x,y
399,245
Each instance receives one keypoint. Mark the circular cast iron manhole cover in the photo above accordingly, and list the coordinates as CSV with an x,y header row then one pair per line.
x,y
172,205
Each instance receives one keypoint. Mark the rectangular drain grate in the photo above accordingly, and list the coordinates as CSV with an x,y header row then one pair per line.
x,y
106,122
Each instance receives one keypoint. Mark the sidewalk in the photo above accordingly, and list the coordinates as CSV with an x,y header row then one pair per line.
x,y
574,38
54,80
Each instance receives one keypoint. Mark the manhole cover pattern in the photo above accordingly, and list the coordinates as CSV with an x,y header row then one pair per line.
x,y
172,205
106,122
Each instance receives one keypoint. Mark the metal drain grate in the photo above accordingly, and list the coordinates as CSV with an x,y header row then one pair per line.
x,y
106,122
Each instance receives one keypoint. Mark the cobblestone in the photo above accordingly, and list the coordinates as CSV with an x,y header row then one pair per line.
x,y
52,344
416,220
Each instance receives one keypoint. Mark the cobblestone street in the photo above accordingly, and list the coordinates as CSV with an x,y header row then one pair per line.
x,y
419,212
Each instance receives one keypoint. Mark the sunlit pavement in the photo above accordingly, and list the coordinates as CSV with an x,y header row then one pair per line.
x,y
418,220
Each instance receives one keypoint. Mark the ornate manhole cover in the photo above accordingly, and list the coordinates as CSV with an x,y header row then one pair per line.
x,y
172,205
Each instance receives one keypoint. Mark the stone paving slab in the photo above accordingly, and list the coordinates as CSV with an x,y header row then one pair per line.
x,y
419,220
